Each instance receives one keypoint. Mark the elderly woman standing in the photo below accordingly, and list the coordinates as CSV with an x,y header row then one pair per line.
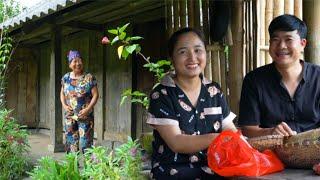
x,y
79,94
187,111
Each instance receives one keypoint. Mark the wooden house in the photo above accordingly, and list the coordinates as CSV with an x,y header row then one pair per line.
x,y
46,32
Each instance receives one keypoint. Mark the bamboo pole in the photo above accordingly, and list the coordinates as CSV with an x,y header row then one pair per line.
x,y
255,32
215,65
262,34
269,16
251,36
246,45
289,6
197,14
176,20
236,52
278,7
169,16
223,71
190,5
183,13
298,8
206,32
311,13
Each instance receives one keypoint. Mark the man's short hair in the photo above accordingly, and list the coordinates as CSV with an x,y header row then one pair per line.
x,y
288,22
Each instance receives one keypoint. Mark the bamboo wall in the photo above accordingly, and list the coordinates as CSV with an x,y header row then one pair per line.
x,y
196,13
257,16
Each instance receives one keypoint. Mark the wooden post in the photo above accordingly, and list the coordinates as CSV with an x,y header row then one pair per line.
x,y
97,53
236,74
183,13
311,13
278,6
298,8
55,86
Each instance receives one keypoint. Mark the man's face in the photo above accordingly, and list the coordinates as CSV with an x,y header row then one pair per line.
x,y
286,47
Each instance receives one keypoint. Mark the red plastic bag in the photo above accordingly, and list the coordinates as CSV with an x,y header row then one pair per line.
x,y
230,155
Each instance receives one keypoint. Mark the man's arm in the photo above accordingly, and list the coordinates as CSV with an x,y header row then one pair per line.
x,y
281,129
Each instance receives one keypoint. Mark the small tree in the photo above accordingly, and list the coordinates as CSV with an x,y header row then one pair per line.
x,y
126,46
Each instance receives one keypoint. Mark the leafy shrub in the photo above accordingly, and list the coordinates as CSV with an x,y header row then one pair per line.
x,y
99,163
13,147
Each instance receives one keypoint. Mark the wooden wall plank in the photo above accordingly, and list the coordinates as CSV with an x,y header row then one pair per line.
x,y
22,92
190,6
183,13
31,94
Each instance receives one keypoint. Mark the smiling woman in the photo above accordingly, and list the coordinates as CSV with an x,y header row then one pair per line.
x,y
187,111
79,94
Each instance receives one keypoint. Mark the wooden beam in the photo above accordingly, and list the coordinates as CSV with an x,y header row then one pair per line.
x,y
54,98
84,25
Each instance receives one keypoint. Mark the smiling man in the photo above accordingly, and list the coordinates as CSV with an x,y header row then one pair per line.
x,y
282,97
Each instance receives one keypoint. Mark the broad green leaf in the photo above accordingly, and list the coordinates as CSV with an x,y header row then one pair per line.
x,y
123,27
125,53
115,39
122,35
163,62
120,49
123,98
113,31
138,48
133,38
131,48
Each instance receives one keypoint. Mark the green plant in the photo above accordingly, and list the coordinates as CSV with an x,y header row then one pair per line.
x,y
13,147
126,46
99,164
50,169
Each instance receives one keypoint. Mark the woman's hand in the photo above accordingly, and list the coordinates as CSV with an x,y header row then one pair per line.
x,y
67,108
84,113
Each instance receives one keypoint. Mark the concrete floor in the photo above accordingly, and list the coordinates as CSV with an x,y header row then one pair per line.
x,y
39,147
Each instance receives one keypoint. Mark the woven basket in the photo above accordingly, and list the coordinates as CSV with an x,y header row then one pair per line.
x,y
298,151
301,150
266,142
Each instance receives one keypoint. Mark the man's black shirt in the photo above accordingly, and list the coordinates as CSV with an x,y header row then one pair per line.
x,y
266,102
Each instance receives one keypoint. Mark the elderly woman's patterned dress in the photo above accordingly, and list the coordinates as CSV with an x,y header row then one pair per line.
x,y
170,106
78,132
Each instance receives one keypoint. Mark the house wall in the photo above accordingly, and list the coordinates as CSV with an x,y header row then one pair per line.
x,y
22,87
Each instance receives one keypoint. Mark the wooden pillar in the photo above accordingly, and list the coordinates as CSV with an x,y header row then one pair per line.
x,y
55,116
97,55
311,13
236,74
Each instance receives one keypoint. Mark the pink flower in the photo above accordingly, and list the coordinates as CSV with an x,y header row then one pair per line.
x,y
133,152
105,40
